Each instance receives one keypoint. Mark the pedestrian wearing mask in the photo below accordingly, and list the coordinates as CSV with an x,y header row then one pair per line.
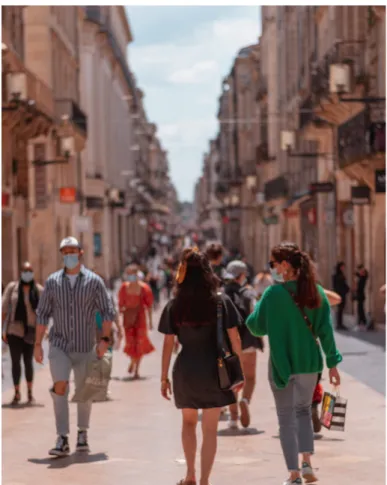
x,y
72,296
243,297
294,314
19,303
135,301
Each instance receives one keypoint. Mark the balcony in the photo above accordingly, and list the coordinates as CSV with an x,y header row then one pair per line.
x,y
276,188
71,110
343,52
360,138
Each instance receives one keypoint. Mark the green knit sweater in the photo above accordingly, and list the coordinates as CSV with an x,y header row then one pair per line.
x,y
293,350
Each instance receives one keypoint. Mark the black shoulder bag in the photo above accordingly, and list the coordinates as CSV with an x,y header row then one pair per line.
x,y
304,315
229,367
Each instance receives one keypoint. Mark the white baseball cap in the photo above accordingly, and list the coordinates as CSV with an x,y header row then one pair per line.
x,y
69,242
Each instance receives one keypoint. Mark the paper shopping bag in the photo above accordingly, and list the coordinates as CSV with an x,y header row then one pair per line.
x,y
333,412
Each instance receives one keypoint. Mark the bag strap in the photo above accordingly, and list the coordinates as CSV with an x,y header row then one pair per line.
x,y
219,327
304,315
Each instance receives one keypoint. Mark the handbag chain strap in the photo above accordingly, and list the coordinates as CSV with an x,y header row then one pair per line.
x,y
304,315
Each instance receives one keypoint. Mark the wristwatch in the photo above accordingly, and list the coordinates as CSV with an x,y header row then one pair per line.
x,y
105,339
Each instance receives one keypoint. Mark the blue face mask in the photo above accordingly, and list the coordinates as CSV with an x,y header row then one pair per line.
x,y
27,276
71,261
131,278
276,277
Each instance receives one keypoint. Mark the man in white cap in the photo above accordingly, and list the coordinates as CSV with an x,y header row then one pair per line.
x,y
72,296
243,297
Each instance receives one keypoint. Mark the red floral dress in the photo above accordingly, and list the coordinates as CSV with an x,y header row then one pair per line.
x,y
137,343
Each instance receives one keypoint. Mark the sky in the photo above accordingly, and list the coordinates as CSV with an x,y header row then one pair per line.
x,y
179,57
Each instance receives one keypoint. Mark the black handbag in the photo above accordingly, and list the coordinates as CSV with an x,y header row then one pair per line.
x,y
229,367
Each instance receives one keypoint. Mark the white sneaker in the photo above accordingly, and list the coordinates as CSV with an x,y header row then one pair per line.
x,y
308,474
232,424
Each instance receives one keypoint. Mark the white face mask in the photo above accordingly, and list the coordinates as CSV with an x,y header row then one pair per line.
x,y
276,276
27,276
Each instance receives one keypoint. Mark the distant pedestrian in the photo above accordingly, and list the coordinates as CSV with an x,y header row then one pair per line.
x,y
135,302
215,254
294,314
244,299
72,296
153,275
191,316
340,286
361,276
19,303
250,270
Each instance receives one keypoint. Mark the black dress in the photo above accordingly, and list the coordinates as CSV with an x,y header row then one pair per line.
x,y
195,373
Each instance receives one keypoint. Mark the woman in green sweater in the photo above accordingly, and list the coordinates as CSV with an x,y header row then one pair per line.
x,y
295,315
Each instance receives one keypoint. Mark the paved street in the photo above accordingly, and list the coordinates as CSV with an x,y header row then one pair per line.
x,y
136,437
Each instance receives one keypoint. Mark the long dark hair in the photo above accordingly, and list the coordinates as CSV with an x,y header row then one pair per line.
x,y
339,269
195,300
307,293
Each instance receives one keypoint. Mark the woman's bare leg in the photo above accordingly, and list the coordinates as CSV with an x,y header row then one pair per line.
x,y
188,435
210,419
137,368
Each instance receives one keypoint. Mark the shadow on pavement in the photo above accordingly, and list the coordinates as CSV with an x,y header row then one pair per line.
x,y
129,379
75,459
240,432
22,405
319,437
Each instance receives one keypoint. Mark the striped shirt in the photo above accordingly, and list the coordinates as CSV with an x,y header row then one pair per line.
x,y
74,309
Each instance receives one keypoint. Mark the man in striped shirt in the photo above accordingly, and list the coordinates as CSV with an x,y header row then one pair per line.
x,y
72,297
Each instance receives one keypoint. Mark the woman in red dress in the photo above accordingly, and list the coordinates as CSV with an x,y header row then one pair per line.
x,y
135,299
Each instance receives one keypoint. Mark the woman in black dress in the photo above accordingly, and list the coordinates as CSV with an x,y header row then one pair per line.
x,y
191,316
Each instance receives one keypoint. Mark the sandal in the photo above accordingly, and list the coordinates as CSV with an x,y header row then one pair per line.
x,y
16,399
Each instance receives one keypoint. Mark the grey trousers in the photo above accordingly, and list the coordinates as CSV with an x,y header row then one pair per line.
x,y
61,365
294,404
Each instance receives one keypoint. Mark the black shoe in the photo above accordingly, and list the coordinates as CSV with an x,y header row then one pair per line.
x,y
82,444
62,447
16,399
31,399
341,328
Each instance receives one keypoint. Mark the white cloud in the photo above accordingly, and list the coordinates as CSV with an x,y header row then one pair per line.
x,y
182,83
197,74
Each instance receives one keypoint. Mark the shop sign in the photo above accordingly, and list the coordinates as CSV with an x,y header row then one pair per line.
x,y
68,195
361,195
5,200
271,220
380,181
94,202
321,187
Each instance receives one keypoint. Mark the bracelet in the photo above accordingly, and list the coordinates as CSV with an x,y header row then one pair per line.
x,y
165,381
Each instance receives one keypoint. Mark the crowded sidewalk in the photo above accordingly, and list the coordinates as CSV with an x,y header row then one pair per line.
x,y
135,437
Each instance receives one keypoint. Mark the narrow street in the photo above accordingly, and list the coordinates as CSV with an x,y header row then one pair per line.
x,y
135,438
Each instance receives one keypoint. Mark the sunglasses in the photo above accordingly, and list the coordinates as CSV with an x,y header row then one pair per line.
x,y
271,264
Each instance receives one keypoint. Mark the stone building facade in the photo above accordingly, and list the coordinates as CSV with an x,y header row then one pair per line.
x,y
319,141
